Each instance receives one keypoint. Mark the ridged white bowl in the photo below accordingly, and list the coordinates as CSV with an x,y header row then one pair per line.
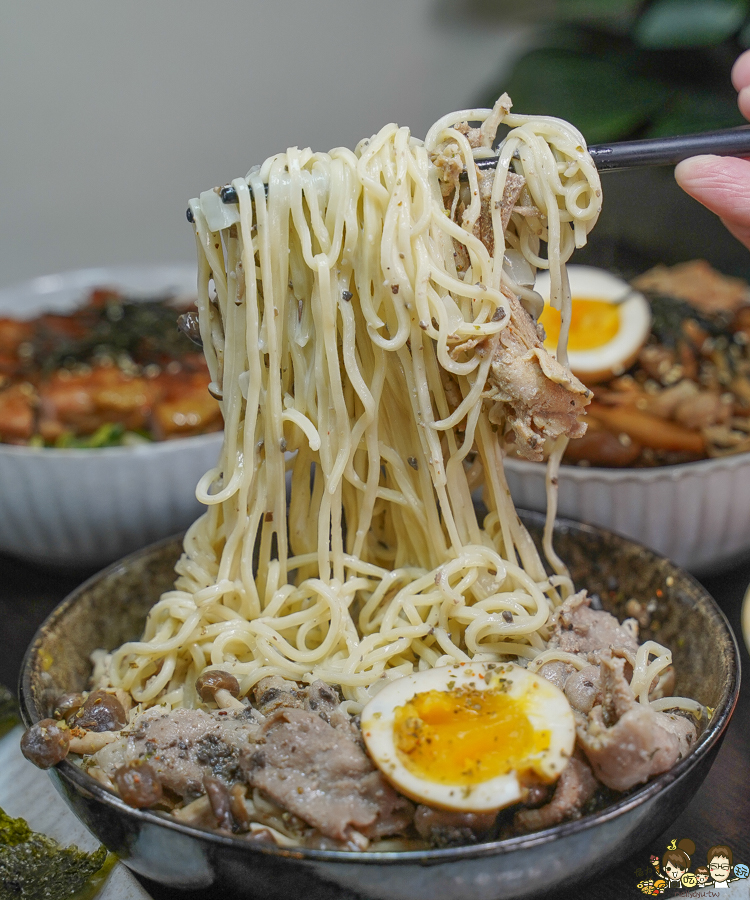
x,y
697,514
89,507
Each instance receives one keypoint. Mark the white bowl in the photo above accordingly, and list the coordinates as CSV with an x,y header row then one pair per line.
x,y
697,514
89,507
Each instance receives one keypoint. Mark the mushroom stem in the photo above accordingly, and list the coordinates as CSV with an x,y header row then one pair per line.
x,y
91,741
225,700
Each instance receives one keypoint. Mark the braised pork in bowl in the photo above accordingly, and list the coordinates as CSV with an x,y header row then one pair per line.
x,y
628,581
106,423
665,456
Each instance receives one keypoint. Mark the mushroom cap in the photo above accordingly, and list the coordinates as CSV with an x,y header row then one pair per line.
x,y
46,743
67,704
215,680
102,711
138,784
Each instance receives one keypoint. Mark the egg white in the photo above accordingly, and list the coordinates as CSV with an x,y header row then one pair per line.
x,y
549,711
618,354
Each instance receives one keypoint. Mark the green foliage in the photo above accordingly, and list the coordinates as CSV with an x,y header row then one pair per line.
x,y
621,69
667,24
694,111
609,11
593,92
35,867
9,716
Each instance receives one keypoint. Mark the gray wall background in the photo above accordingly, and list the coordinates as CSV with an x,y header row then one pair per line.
x,y
114,114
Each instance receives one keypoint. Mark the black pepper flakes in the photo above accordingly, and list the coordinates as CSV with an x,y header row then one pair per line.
x,y
394,288
412,460
499,314
346,295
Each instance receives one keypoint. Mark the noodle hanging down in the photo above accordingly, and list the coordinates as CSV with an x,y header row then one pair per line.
x,y
349,307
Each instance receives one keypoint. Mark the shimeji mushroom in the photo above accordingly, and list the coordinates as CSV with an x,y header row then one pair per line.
x,y
221,687
46,743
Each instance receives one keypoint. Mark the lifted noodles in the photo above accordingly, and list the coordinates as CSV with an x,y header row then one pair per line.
x,y
365,324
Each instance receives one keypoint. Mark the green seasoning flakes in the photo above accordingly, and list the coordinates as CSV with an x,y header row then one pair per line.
x,y
35,867
9,717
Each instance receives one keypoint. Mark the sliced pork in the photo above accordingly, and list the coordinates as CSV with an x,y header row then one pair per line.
x,y
531,392
589,632
627,742
184,746
275,693
322,775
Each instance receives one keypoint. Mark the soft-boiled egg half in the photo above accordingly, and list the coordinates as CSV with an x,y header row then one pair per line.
x,y
610,322
469,737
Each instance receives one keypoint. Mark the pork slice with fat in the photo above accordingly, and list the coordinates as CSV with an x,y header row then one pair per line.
x,y
321,774
627,742
184,746
536,395
588,632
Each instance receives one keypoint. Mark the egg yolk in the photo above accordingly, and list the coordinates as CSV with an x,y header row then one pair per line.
x,y
593,323
466,736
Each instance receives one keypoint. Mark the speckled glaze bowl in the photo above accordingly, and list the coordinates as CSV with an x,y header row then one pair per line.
x,y
110,608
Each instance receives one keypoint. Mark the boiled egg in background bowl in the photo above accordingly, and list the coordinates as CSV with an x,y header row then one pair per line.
x,y
610,322
470,737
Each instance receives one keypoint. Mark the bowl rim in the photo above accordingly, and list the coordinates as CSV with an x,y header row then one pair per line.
x,y
644,475
87,277
637,797
148,448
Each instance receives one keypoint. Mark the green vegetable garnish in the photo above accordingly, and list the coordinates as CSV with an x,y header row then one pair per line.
x,y
35,867
108,435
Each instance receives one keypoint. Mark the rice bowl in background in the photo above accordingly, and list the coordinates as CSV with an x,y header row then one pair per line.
x,y
89,506
694,511
696,514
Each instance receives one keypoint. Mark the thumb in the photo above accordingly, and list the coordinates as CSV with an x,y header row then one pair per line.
x,y
721,184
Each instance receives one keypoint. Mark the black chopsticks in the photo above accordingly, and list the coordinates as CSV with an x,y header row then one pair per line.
x,y
662,151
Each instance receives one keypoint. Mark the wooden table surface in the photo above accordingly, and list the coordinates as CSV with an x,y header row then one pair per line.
x,y
719,813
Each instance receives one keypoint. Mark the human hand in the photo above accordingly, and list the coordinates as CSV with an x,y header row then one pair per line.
x,y
722,183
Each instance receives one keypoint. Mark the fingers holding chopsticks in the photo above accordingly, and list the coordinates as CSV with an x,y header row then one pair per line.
x,y
741,82
722,183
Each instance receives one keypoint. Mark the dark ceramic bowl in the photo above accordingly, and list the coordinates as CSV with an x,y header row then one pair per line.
x,y
110,608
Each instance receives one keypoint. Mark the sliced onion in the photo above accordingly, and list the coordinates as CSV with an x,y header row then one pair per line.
x,y
519,268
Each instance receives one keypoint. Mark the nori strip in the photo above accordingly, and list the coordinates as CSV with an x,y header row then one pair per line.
x,y
35,867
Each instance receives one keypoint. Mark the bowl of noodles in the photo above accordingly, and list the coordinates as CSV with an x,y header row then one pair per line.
x,y
111,608
360,659
98,395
